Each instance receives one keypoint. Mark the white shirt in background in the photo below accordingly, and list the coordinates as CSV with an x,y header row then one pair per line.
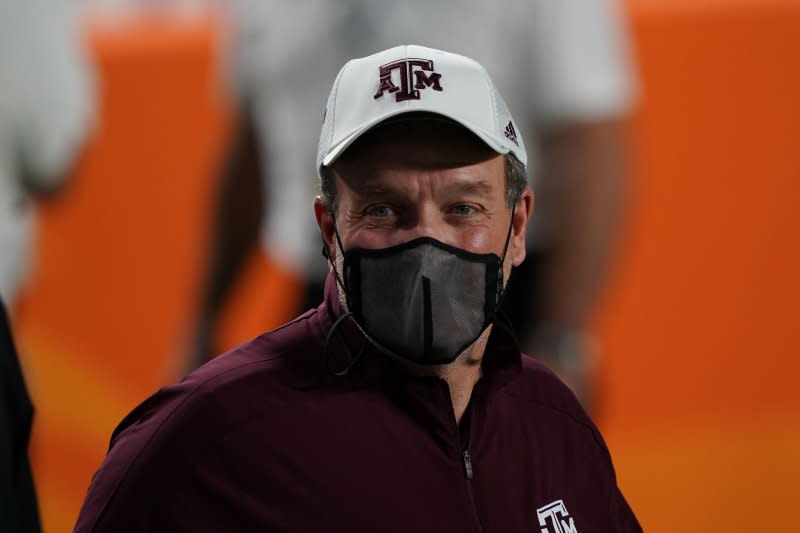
x,y
46,106
554,61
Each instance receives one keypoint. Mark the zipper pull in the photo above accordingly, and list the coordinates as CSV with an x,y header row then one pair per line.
x,y
467,464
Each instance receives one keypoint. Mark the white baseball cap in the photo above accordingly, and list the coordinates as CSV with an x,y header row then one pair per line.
x,y
412,79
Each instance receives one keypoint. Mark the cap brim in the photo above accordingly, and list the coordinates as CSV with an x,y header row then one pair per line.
x,y
339,148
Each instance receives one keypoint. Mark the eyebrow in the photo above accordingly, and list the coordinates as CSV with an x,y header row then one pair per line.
x,y
477,187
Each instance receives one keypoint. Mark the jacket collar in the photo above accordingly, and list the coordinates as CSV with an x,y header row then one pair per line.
x,y
426,399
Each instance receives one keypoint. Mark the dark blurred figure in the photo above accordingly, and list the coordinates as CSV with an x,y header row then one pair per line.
x,y
566,73
46,94
18,509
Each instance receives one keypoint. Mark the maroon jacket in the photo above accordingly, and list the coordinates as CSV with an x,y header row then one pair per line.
x,y
264,438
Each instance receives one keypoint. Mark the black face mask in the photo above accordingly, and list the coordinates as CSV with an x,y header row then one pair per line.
x,y
425,301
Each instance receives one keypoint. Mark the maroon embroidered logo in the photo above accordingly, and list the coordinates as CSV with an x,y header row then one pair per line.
x,y
414,75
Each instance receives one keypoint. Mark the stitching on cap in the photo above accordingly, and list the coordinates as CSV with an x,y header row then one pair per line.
x,y
492,91
333,104
329,124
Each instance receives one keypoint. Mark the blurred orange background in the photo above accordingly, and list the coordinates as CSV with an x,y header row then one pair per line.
x,y
701,406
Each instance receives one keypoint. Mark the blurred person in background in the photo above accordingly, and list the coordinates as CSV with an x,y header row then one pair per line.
x,y
46,108
45,112
565,70
18,508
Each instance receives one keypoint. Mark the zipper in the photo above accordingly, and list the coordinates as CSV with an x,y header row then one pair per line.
x,y
466,459
468,473
467,465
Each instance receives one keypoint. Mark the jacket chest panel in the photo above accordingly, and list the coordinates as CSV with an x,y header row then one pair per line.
x,y
369,462
364,466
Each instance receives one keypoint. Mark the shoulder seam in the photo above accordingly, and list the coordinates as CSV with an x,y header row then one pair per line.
x,y
147,443
305,316
575,419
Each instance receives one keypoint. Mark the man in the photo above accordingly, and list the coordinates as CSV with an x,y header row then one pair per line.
x,y
401,403
563,67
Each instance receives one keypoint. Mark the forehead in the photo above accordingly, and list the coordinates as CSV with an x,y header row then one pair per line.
x,y
418,146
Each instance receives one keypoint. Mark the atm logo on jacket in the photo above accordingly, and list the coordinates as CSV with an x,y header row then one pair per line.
x,y
554,518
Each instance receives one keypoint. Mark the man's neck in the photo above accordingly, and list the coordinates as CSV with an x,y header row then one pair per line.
x,y
461,375
461,378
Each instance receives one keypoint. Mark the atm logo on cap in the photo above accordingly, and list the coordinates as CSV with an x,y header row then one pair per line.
x,y
414,75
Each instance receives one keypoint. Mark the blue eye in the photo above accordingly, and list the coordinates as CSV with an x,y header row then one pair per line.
x,y
380,211
462,209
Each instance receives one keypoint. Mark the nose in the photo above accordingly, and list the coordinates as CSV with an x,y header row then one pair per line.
x,y
427,221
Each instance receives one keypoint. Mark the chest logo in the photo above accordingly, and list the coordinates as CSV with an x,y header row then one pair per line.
x,y
554,518
413,75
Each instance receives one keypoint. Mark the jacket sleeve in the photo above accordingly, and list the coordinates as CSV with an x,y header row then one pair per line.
x,y
622,514
152,464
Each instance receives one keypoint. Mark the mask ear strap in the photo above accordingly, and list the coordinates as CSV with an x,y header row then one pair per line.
x,y
501,286
326,253
508,235
326,355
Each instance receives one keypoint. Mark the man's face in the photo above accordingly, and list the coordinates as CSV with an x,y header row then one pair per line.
x,y
424,179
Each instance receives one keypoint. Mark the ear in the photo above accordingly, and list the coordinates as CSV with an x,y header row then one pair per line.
x,y
519,225
326,225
